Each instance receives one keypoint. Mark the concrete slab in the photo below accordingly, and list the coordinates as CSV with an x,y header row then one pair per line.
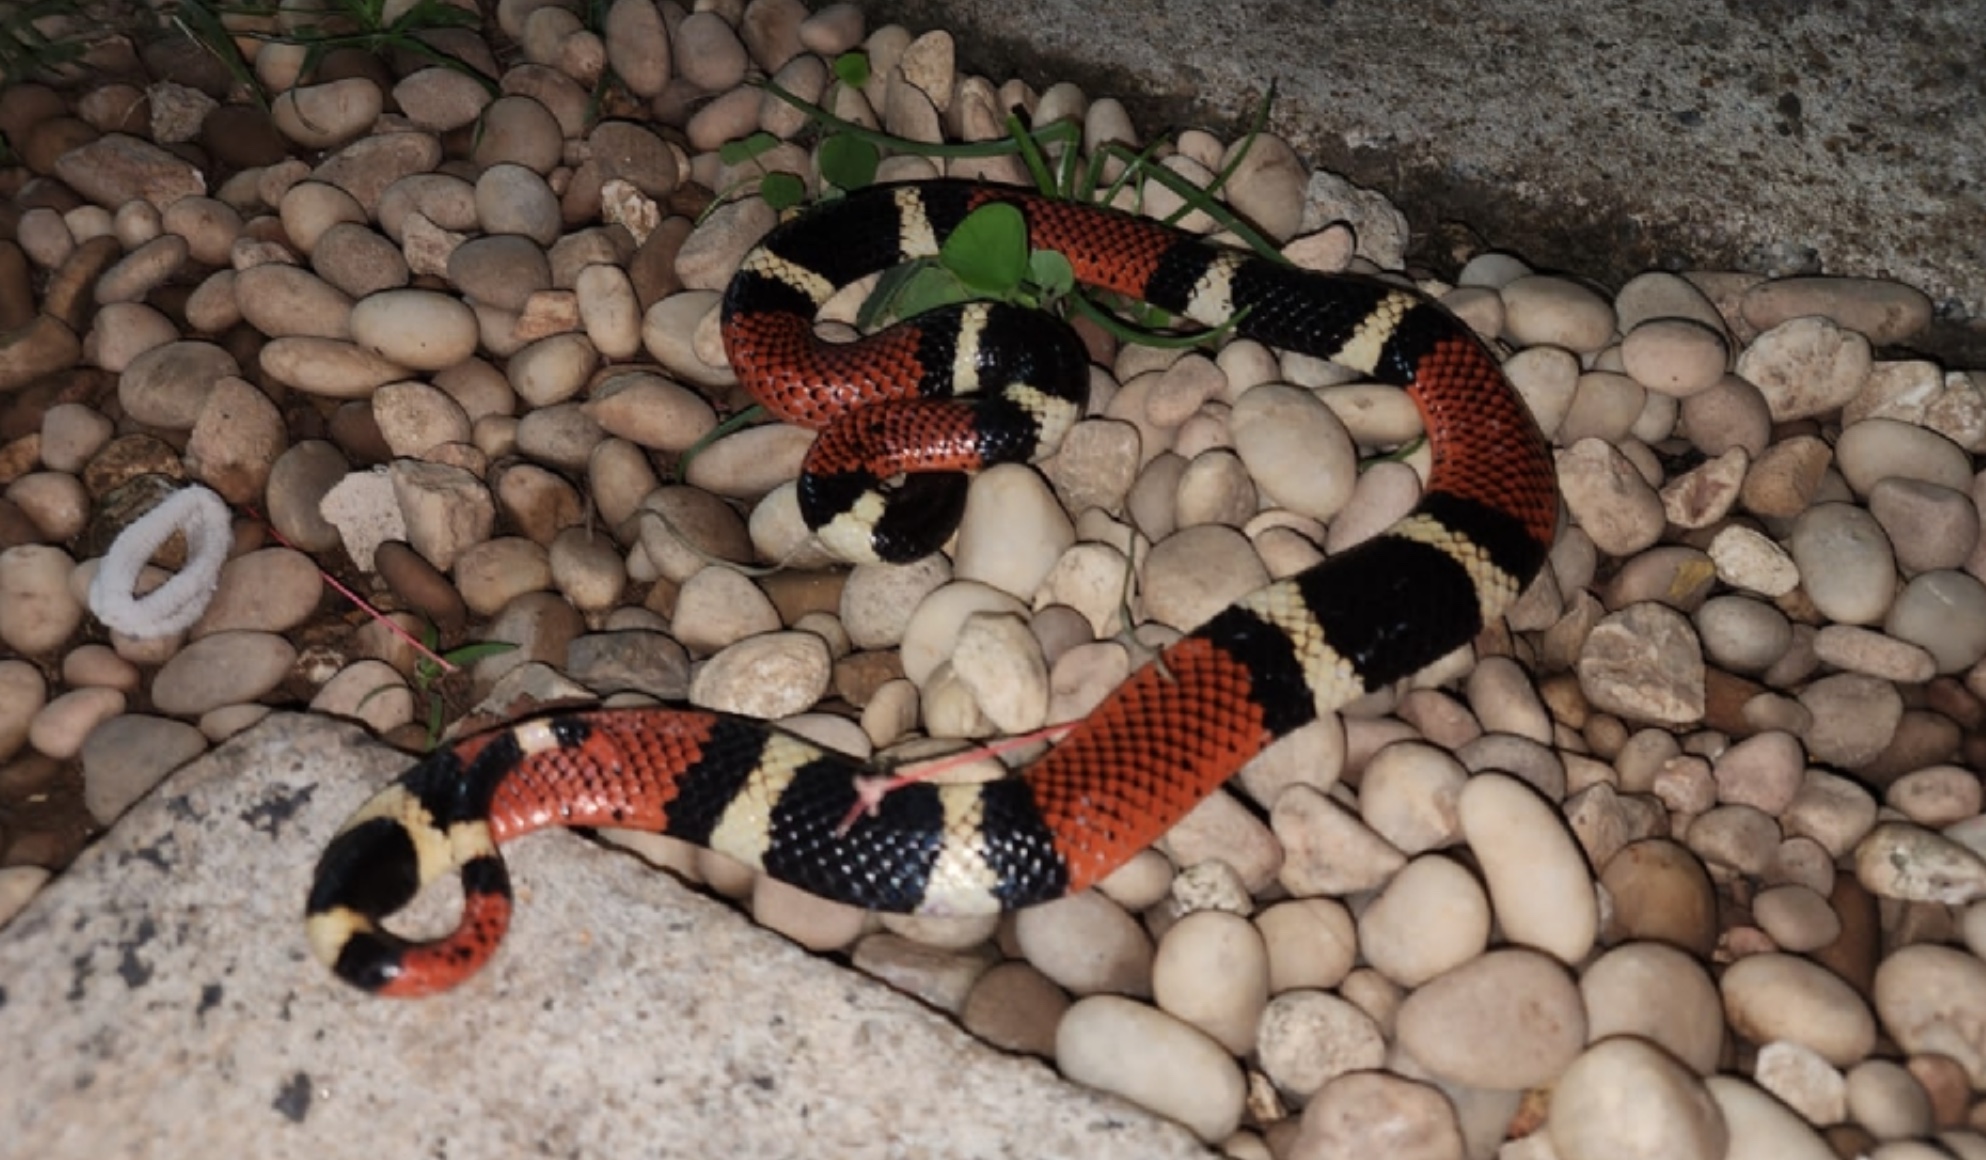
x,y
1847,136
158,1000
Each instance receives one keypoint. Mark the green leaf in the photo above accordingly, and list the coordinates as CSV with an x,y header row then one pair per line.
x,y
988,251
782,191
1051,272
848,162
931,288
469,654
880,306
852,69
746,148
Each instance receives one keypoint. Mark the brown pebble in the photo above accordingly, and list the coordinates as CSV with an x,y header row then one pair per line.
x,y
1853,955
1015,1007
1945,1082
28,773
1661,892
421,585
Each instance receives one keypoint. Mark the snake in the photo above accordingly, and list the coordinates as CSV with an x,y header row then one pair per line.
x,y
905,414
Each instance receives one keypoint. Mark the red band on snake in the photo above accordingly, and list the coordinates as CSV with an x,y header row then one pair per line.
x,y
968,387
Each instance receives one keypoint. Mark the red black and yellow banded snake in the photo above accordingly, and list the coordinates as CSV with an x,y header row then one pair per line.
x,y
1161,742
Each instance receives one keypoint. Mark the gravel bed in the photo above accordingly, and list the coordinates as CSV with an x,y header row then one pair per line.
x,y
1680,861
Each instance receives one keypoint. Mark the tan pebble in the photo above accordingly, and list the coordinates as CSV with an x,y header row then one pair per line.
x,y
268,590
877,599
1932,1000
1742,634
1311,942
999,662
1012,532
942,932
1084,675
1760,1125
1309,1038
328,367
1786,477
1885,311
932,631
521,130
1087,945
419,329
1222,831
1625,1097
1296,449
1540,309
1944,613
60,726
1605,406
832,29
168,385
1659,294
1883,1097
1431,917
325,116
1546,377
1609,498
1806,366
1510,1019
1730,837
1015,1008
124,757
939,977
720,606
1878,449
1929,526
1780,996
1705,494
1214,488
1211,970
752,462
1901,860
1764,771
1644,663
773,675
514,199
651,411
89,664
1408,794
502,270
814,922
282,301
1536,873
1151,1059
1862,650
1143,881
1326,849
121,332
1797,918
1374,1113
1938,795
1658,992
1803,1080
371,692
1194,573
494,572
55,502
1854,718
36,606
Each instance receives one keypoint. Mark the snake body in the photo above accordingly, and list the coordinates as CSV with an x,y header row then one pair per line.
x,y
936,395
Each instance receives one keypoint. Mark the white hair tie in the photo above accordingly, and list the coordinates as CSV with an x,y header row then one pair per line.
x,y
174,605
